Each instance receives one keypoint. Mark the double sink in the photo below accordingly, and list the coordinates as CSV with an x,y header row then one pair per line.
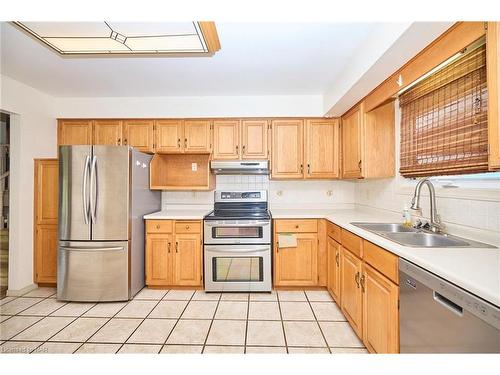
x,y
413,237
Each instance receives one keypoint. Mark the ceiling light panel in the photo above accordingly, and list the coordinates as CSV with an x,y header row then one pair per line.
x,y
69,38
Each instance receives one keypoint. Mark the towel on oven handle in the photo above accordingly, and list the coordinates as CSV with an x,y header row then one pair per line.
x,y
287,240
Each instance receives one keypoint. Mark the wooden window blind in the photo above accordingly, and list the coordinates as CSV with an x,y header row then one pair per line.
x,y
444,120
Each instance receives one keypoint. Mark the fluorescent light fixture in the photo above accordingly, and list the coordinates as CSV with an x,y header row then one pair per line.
x,y
448,61
87,38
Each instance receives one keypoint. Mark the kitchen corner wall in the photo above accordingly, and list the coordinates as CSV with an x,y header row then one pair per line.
x,y
282,194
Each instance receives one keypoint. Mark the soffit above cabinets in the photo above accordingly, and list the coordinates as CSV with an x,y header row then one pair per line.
x,y
130,38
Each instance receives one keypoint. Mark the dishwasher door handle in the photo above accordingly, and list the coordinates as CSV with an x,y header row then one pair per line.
x,y
446,303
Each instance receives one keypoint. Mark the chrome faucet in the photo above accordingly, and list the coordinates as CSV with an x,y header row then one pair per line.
x,y
435,223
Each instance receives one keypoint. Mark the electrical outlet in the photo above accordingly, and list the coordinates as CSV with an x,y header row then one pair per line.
x,y
279,193
329,193
194,167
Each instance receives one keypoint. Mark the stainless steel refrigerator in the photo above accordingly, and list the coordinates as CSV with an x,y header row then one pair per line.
x,y
103,195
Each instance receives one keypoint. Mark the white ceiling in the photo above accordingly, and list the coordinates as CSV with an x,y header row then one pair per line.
x,y
255,59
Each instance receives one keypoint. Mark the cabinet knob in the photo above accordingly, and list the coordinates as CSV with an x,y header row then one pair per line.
x,y
187,226
157,226
297,227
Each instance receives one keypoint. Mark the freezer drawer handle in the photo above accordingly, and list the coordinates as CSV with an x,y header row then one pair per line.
x,y
450,305
91,248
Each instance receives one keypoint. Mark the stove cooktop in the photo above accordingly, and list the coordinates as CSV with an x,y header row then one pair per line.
x,y
238,215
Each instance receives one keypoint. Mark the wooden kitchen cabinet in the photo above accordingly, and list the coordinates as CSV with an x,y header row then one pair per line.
x,y
322,154
254,139
333,281
197,136
158,259
108,132
350,290
187,259
169,136
368,142
45,224
226,139
287,151
139,134
380,312
74,132
493,75
173,253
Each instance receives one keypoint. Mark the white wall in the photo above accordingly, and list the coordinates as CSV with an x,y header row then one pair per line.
x,y
33,135
191,106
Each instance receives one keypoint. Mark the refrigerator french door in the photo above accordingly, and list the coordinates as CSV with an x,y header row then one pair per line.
x,y
97,218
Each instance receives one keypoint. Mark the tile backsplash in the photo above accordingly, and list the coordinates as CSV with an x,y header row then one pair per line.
x,y
313,194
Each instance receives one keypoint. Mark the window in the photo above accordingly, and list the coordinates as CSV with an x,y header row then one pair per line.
x,y
473,181
444,119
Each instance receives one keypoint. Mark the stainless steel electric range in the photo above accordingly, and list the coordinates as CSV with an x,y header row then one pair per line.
x,y
237,243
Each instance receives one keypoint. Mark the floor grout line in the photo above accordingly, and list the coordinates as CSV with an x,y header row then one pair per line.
x,y
246,324
177,320
282,323
319,325
212,322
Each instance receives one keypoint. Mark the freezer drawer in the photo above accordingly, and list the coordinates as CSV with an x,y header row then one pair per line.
x,y
93,271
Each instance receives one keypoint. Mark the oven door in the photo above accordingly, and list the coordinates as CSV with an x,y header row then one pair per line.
x,y
238,268
237,231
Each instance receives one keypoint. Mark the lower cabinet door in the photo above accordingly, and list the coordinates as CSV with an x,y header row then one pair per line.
x,y
46,243
380,312
158,259
352,298
297,266
334,269
187,260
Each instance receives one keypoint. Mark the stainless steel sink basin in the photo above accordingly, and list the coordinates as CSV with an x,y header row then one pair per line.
x,y
418,237
385,227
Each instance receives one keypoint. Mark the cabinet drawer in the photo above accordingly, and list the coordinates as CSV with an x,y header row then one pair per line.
x,y
352,242
187,227
382,260
297,226
333,231
158,226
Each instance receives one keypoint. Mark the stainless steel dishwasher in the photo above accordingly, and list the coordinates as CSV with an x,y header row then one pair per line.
x,y
436,316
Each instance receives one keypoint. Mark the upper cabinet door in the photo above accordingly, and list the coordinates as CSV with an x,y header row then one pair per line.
x,y
493,76
139,134
108,132
169,136
46,190
226,139
197,136
74,132
322,149
254,139
352,125
287,151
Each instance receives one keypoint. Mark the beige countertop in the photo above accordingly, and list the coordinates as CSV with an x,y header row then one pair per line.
x,y
178,214
476,270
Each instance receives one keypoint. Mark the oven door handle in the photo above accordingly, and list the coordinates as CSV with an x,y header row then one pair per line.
x,y
236,251
215,224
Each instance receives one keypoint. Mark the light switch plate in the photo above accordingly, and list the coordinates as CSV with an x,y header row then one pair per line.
x,y
194,167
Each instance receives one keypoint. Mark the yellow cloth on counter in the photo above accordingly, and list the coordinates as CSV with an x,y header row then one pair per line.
x,y
287,240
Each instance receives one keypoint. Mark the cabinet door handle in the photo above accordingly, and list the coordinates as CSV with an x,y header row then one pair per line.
x,y
178,143
309,169
169,247
302,169
119,141
277,247
125,141
243,149
359,165
362,281
185,142
337,259
176,246
237,148
356,278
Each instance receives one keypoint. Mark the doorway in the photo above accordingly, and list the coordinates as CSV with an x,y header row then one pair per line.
x,y
4,201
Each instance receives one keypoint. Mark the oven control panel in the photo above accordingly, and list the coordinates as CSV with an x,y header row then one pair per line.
x,y
240,195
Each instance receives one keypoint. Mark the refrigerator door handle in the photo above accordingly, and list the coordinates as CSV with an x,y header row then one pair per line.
x,y
84,190
93,187
114,248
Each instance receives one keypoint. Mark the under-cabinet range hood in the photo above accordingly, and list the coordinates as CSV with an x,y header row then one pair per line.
x,y
240,167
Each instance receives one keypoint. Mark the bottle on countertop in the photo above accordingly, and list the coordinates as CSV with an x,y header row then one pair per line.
x,y
406,217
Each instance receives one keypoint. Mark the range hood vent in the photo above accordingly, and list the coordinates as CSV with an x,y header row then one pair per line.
x,y
240,167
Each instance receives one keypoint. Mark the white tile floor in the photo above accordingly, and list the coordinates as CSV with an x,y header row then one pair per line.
x,y
177,321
